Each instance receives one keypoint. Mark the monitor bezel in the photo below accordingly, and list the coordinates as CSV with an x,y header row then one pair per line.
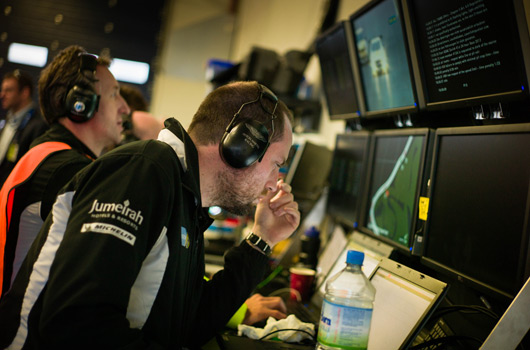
x,y
421,186
342,25
471,101
353,222
365,113
524,261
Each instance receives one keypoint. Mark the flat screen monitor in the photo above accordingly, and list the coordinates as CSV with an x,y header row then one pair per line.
x,y
346,178
404,301
478,220
383,58
470,52
397,172
333,50
308,170
284,170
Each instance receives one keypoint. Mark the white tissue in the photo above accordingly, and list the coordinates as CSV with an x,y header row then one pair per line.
x,y
291,322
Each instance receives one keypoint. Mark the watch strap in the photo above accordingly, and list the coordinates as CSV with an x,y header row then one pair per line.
x,y
259,243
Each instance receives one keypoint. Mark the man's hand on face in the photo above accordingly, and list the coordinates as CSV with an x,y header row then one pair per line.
x,y
277,215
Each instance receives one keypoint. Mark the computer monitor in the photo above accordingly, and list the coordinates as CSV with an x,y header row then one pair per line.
x,y
334,53
346,178
397,177
284,170
308,170
469,53
404,301
381,51
261,65
477,228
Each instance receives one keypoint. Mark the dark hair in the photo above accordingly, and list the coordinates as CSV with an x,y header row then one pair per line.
x,y
58,77
218,108
24,79
134,98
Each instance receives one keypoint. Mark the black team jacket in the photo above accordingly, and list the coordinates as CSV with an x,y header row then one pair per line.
x,y
34,197
119,263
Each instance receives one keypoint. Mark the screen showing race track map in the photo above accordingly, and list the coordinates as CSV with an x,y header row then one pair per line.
x,y
393,187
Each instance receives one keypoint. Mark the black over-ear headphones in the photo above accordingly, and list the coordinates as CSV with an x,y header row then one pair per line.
x,y
81,101
245,143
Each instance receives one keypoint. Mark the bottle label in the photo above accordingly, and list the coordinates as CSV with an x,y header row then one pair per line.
x,y
344,327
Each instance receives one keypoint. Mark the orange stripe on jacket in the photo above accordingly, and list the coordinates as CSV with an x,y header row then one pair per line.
x,y
20,173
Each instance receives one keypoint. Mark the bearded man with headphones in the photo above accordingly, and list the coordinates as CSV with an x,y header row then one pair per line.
x,y
119,262
80,99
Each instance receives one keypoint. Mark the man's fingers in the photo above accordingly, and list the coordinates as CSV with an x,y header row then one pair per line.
x,y
275,303
276,314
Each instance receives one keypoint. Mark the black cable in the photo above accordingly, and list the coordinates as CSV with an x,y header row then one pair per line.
x,y
466,308
331,15
448,340
288,329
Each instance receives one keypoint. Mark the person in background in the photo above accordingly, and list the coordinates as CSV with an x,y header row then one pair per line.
x,y
81,101
144,126
119,262
139,124
23,122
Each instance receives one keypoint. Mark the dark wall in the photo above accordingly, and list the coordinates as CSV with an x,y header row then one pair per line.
x,y
127,29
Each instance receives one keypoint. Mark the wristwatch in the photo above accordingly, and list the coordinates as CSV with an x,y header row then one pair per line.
x,y
259,243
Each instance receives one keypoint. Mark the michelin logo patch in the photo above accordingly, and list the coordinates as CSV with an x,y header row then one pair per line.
x,y
108,229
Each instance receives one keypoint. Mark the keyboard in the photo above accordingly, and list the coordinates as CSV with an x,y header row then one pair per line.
x,y
439,330
303,313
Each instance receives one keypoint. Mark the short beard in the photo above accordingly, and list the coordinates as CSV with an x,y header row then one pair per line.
x,y
228,199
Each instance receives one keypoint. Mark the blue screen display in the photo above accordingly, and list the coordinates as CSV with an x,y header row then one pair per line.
x,y
382,57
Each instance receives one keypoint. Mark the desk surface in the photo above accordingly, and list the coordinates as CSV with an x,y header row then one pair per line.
x,y
243,343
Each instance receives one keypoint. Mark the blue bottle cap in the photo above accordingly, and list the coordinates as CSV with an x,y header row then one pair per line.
x,y
312,232
354,257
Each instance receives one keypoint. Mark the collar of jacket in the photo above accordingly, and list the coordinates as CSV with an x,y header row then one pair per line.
x,y
178,139
58,132
173,135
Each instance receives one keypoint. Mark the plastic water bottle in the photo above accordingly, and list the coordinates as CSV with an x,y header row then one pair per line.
x,y
347,308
